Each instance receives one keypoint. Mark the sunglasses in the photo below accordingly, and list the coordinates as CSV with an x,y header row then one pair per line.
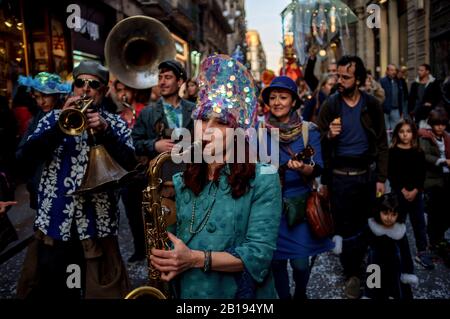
x,y
93,84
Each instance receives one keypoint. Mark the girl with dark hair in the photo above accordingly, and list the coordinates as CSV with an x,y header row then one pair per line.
x,y
296,242
388,252
406,173
227,212
191,90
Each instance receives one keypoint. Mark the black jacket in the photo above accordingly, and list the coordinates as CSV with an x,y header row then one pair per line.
x,y
372,119
145,132
431,95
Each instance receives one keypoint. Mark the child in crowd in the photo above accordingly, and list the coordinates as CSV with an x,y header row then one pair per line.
x,y
406,173
435,143
388,249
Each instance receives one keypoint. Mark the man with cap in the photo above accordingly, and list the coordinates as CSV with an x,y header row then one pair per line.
x,y
153,129
76,229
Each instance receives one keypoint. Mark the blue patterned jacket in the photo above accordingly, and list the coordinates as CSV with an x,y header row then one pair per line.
x,y
66,159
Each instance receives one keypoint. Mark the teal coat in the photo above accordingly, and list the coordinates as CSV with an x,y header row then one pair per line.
x,y
249,225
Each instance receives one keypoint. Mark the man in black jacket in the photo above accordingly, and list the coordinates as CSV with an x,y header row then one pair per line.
x,y
153,129
425,94
355,154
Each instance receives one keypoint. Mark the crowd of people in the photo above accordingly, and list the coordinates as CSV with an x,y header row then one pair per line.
x,y
381,154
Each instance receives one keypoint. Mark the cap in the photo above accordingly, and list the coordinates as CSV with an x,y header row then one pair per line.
x,y
175,66
92,68
281,82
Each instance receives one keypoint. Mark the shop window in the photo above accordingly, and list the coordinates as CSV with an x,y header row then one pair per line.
x,y
12,47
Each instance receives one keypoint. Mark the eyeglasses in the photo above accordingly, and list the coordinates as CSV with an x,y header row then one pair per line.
x,y
93,84
345,77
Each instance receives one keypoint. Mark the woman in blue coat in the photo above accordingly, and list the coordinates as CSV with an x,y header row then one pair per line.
x,y
296,242
228,212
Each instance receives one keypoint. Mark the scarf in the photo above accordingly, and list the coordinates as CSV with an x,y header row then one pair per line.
x,y
290,131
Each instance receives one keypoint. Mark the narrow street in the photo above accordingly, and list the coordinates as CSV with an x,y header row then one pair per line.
x,y
326,281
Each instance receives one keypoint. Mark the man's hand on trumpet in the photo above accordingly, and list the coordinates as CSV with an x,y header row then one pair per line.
x,y
71,102
95,121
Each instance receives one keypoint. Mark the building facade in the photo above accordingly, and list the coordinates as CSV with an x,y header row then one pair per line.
x,y
46,35
256,57
235,13
411,33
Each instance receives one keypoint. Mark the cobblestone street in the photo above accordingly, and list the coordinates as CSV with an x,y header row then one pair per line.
x,y
326,281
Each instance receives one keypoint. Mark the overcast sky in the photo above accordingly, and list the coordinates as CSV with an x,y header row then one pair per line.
x,y
264,16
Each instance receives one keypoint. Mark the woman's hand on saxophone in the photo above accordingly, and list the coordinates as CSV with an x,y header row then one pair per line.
x,y
177,260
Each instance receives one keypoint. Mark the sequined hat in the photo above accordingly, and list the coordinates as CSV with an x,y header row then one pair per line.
x,y
47,83
226,92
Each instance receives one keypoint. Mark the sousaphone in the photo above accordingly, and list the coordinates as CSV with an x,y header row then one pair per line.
x,y
134,49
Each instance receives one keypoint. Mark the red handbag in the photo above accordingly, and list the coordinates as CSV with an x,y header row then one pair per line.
x,y
318,214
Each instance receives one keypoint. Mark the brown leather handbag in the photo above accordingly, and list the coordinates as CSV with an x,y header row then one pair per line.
x,y
318,214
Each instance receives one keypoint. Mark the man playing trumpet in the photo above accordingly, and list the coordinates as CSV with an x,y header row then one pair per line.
x,y
76,229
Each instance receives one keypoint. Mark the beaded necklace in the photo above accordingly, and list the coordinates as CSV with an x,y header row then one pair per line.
x,y
205,219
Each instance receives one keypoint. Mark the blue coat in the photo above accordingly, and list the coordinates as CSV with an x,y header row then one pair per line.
x,y
387,87
298,241
248,225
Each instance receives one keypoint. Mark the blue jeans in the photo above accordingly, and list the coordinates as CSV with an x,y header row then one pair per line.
x,y
415,210
301,271
390,120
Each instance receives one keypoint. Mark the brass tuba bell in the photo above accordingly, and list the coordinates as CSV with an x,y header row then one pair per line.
x,y
135,47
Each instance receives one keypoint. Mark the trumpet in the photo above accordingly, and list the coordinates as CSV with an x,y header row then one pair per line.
x,y
73,121
129,106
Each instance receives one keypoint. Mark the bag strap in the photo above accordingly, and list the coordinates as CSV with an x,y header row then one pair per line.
x,y
305,132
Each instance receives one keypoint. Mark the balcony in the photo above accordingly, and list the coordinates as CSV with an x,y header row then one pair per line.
x,y
158,9
185,13
182,12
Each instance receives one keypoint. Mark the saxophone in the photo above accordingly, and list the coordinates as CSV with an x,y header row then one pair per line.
x,y
156,216
158,212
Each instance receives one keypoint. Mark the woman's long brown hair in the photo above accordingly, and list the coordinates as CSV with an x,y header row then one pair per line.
x,y
196,175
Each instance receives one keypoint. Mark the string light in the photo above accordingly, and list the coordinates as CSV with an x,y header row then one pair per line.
x,y
9,23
